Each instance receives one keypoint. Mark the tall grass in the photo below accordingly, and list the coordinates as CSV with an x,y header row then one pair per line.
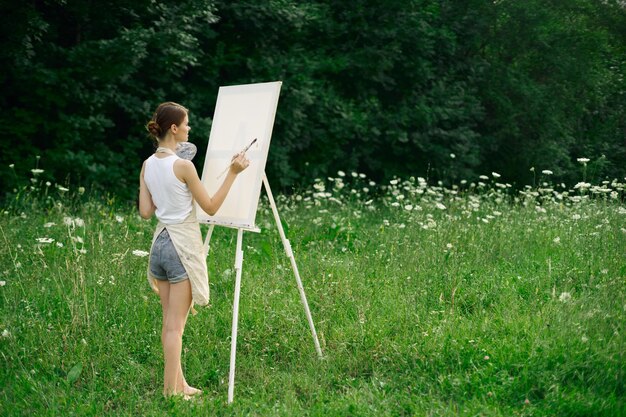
x,y
470,300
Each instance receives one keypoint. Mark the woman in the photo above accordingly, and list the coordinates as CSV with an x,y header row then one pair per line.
x,y
177,267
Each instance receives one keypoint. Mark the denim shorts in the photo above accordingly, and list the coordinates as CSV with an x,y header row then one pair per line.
x,y
165,264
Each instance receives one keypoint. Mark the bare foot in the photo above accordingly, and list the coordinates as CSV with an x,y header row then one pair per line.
x,y
188,390
181,395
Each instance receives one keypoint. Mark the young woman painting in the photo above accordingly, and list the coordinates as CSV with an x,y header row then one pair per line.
x,y
177,270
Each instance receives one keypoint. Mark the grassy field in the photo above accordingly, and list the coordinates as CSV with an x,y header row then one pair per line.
x,y
471,300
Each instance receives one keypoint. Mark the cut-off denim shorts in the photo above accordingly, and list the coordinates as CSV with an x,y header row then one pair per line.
x,y
165,264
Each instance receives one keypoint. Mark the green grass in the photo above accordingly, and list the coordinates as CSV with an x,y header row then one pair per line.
x,y
499,304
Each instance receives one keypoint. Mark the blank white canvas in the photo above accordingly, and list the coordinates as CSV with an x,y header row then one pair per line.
x,y
242,113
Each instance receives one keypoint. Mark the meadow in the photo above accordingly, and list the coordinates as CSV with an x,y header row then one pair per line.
x,y
474,299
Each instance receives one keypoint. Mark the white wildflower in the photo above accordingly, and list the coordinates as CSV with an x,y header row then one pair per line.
x,y
452,156
547,172
49,224
83,251
79,222
565,297
583,160
393,182
45,240
576,217
3,283
361,175
81,190
408,207
584,339
140,253
62,189
36,171
77,239
341,173
12,166
334,200
59,244
440,206
354,174
483,177
582,185
6,333
449,245
557,240
119,218
496,175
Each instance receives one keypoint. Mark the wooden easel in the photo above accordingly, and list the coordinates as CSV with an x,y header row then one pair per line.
x,y
238,270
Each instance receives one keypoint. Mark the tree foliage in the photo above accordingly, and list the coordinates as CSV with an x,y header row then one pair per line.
x,y
387,88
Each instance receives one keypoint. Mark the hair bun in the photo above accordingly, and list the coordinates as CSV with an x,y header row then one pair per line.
x,y
154,128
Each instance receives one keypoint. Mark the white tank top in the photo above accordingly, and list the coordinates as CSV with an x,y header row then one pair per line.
x,y
172,197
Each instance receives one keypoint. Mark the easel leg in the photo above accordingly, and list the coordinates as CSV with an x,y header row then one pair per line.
x,y
289,253
207,240
233,341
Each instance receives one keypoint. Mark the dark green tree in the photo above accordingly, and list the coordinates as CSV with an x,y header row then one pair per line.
x,y
83,78
386,88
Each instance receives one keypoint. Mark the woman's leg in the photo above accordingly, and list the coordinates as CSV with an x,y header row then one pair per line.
x,y
164,292
175,300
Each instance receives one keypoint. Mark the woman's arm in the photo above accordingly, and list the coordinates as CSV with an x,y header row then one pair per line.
x,y
146,206
187,172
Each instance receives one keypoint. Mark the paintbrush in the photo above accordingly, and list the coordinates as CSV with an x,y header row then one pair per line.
x,y
240,153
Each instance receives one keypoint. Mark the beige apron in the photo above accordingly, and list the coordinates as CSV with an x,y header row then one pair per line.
x,y
187,240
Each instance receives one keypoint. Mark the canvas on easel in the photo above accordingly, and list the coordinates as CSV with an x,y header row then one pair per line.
x,y
244,118
242,113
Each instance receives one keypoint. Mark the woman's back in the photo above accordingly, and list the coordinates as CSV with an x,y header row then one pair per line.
x,y
172,197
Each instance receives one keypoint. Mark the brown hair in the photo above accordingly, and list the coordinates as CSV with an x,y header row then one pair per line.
x,y
166,115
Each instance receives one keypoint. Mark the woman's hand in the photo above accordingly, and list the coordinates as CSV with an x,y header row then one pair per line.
x,y
239,163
